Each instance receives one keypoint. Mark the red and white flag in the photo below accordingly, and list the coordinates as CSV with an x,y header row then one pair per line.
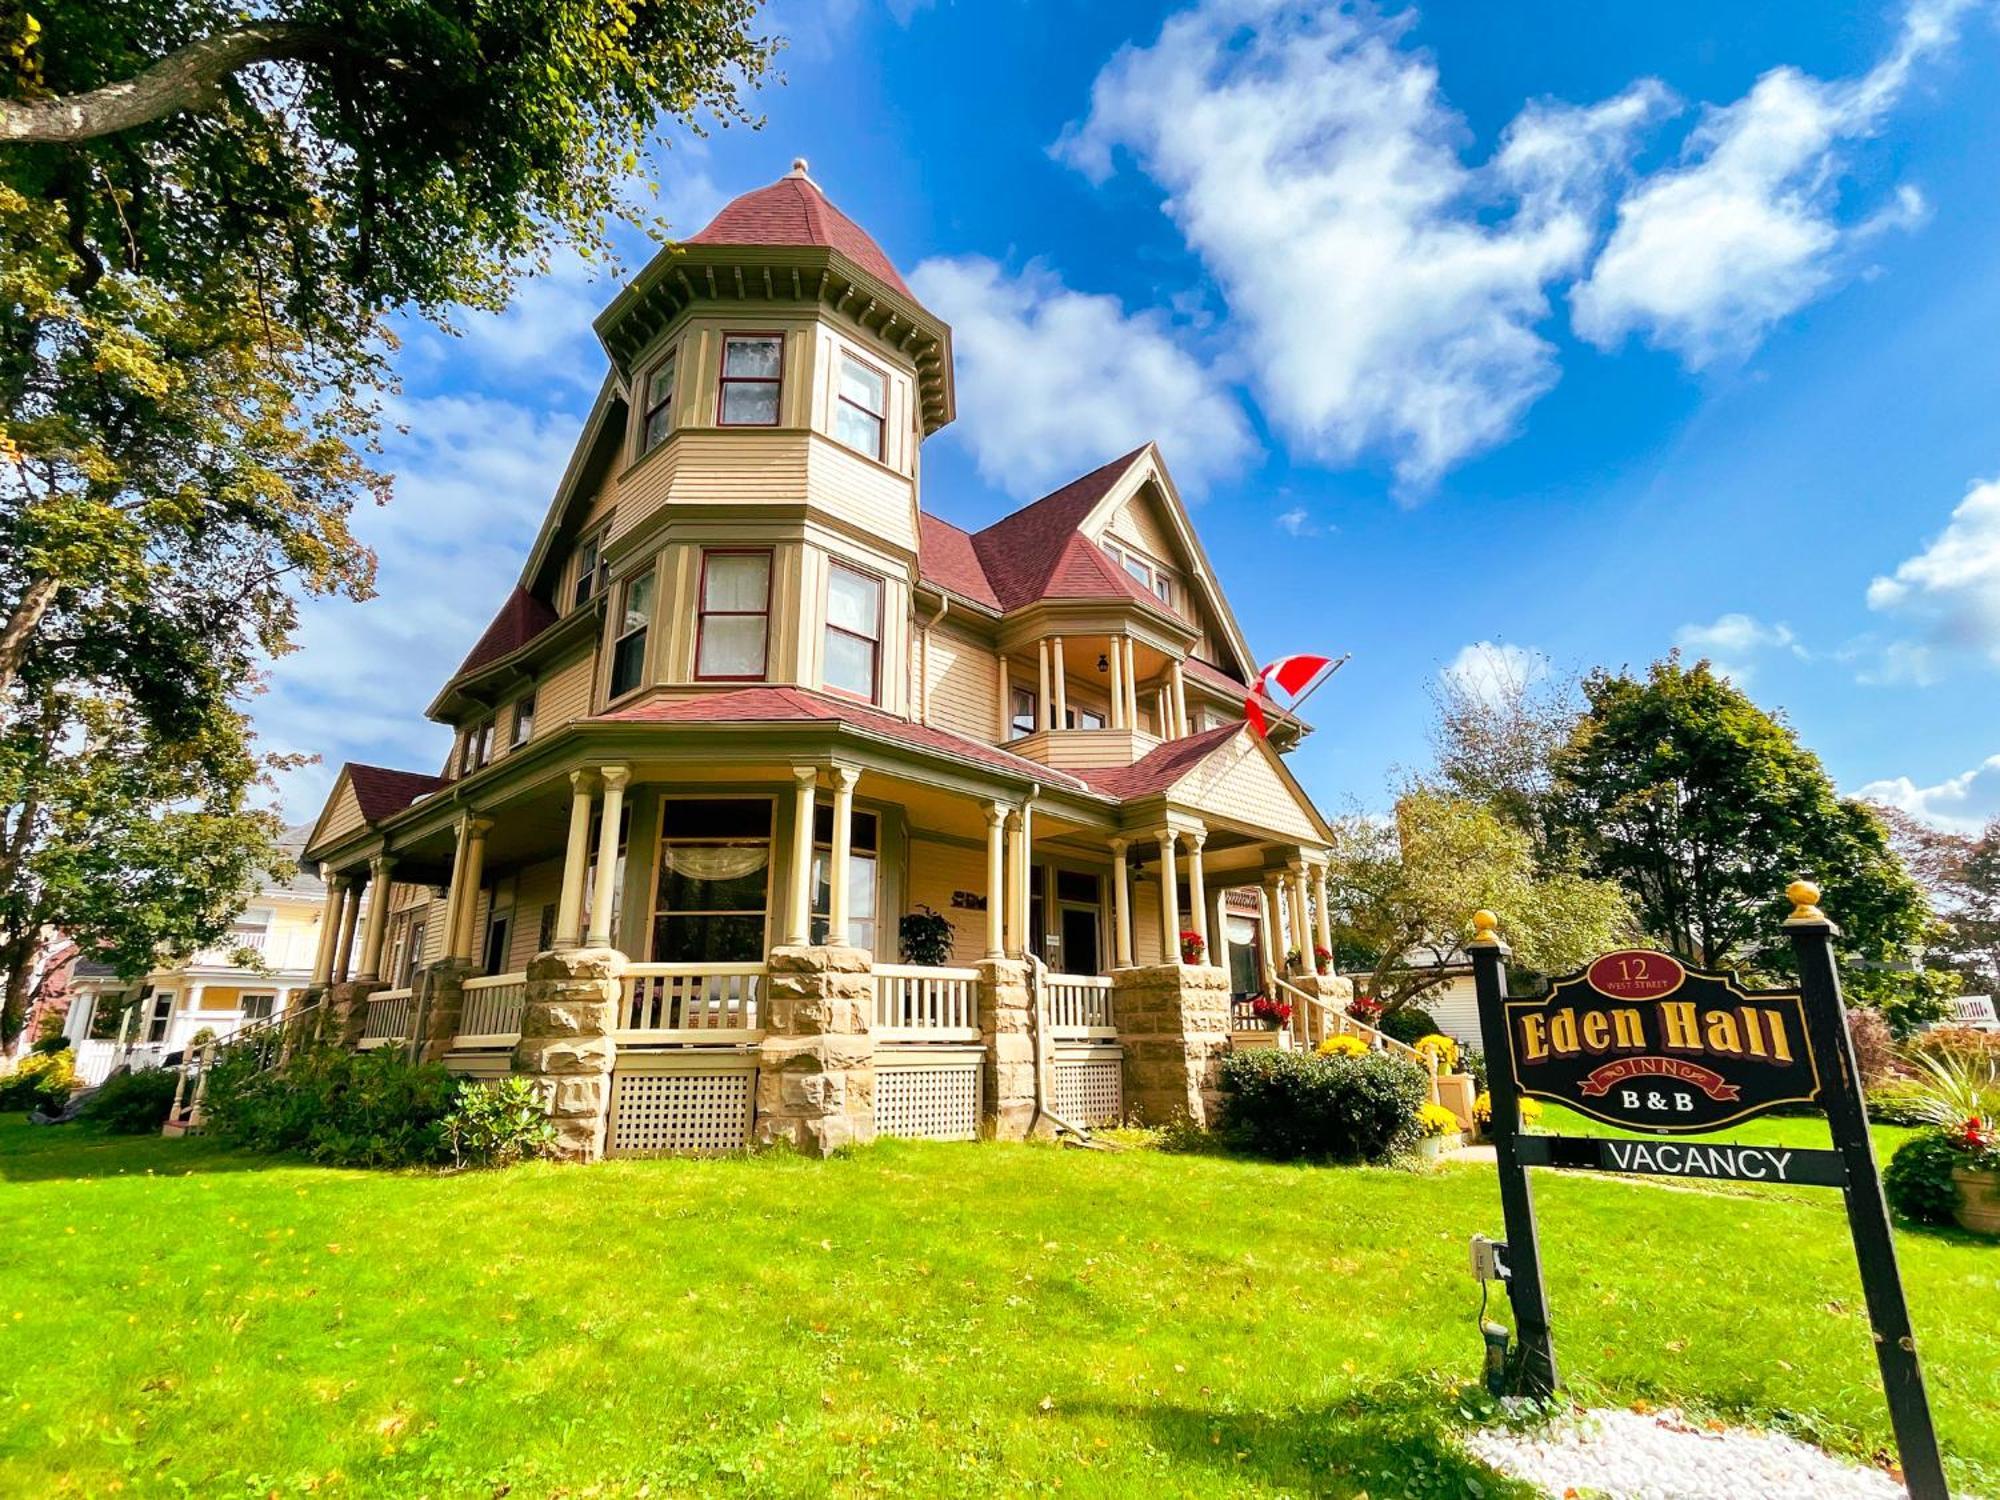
x,y
1295,675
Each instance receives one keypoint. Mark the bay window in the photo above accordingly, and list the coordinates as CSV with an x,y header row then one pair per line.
x,y
752,372
628,650
733,618
862,885
713,894
861,407
657,420
853,653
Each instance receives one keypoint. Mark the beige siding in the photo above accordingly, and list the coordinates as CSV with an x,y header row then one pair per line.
x,y
862,493
1146,922
1139,522
1238,782
564,694
343,813
938,869
537,887
963,694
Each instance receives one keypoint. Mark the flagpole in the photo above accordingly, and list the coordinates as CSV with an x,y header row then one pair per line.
x,y
1318,682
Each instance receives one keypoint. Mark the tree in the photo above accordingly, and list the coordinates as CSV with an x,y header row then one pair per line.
x,y
1703,807
207,219
1960,875
1401,896
1499,721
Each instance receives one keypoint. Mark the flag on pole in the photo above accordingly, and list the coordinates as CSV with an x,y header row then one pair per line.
x,y
1298,676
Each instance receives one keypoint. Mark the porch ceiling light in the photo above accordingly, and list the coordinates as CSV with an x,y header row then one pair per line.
x,y
1103,662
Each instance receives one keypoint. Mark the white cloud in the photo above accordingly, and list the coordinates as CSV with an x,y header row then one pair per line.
x,y
1951,589
1494,671
1963,803
1387,294
1052,382
1707,256
473,479
1733,641
1297,522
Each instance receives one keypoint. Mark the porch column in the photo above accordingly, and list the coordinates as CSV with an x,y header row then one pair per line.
x,y
844,778
1121,907
350,910
378,917
1322,918
1170,898
452,894
605,887
329,925
1117,658
465,884
1043,707
1059,716
1273,938
798,913
1006,725
1197,892
1017,886
576,861
1177,697
996,880
1218,948
1301,923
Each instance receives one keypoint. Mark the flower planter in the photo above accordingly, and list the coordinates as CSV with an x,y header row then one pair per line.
x,y
1432,1147
1978,1200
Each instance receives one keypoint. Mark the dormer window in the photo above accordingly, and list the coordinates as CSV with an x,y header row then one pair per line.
x,y
657,420
1150,576
524,720
861,408
753,367
589,568
478,747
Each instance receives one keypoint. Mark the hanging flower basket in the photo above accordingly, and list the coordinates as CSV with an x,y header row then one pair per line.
x,y
1193,947
1273,1013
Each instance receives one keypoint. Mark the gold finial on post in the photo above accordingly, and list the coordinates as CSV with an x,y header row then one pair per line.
x,y
1483,935
1804,896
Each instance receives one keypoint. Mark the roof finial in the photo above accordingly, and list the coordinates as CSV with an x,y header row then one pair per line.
x,y
798,167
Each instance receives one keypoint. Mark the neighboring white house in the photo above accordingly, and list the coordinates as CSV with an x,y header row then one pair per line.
x,y
113,1020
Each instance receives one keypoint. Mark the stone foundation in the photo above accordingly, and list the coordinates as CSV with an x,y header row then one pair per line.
x,y
441,998
1006,1030
346,1011
1173,1020
568,1016
816,1065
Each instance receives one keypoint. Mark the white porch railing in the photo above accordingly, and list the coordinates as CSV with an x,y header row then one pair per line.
x,y
95,1061
388,1018
490,1015
692,1002
1080,1007
1315,1019
914,1003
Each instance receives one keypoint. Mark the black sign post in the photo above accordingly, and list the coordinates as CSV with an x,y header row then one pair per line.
x,y
1641,1041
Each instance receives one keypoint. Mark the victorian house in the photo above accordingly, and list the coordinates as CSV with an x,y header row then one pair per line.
x,y
752,719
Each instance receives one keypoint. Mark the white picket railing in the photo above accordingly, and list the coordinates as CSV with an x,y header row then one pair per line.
x,y
95,1061
490,1015
913,1003
1079,1006
388,1018
692,1002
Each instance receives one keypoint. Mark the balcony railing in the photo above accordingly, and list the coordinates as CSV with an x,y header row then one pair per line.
x,y
926,1005
490,1015
692,1003
388,1018
1080,1007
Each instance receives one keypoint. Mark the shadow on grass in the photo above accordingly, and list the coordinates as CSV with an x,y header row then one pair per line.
x,y
1397,1438
52,1153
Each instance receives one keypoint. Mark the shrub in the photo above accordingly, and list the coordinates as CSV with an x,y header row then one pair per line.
x,y
1473,1064
1343,1046
1908,999
1874,1045
350,1109
925,936
498,1124
1407,1025
133,1103
48,1044
1290,1105
1918,1180
1899,1101
42,1081
1956,1044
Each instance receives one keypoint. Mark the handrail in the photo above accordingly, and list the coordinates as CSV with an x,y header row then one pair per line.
x,y
1080,1006
490,1009
1346,1025
920,1002
723,1001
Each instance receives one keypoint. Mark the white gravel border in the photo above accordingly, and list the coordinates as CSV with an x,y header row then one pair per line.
x,y
1661,1455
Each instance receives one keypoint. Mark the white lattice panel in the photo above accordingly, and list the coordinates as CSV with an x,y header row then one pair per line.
x,y
691,1111
1090,1091
933,1103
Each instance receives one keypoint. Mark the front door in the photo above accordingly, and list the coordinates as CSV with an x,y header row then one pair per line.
x,y
1080,952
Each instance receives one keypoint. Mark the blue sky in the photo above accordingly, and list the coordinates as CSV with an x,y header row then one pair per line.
x,y
1578,331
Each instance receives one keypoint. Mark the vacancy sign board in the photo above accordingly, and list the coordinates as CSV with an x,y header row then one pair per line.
x,y
1641,1041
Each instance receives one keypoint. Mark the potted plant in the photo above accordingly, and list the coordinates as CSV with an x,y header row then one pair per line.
x,y
1976,1174
1193,947
1961,1096
1437,1132
1273,1013
1322,960
1439,1050
1365,1009
1342,1045
925,936
1482,1114
1294,964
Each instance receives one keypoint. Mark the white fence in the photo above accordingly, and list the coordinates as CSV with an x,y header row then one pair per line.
x,y
388,1018
490,1015
914,1003
1079,1006
96,1061
692,1002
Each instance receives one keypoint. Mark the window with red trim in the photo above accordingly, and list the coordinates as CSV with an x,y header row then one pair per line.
x,y
853,655
733,618
753,369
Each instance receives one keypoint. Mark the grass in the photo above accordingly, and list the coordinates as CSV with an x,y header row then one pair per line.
x,y
909,1319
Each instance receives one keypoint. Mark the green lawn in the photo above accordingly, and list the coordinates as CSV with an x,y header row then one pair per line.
x,y
911,1320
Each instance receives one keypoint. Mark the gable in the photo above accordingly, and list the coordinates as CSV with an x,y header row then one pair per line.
x,y
341,815
1244,782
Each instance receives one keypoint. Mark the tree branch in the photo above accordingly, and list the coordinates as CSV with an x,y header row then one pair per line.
x,y
187,79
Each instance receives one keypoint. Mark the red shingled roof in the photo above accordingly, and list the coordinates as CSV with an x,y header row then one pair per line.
x,y
1020,553
1162,766
383,792
793,211
775,705
945,557
521,619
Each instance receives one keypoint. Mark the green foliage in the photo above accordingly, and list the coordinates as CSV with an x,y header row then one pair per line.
x,y
1292,1105
40,1081
351,1109
1703,807
1899,1101
499,1123
1918,1178
1407,1024
1402,896
925,936
1909,999
56,1043
133,1103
